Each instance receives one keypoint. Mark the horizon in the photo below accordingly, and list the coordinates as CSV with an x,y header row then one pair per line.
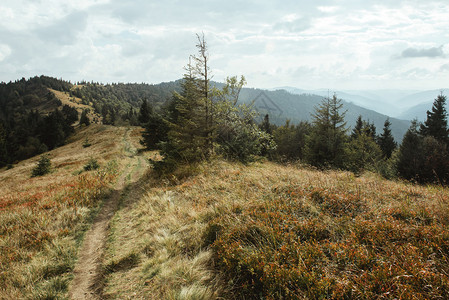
x,y
337,45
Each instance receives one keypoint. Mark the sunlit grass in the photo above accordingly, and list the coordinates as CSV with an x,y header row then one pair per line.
x,y
42,219
272,231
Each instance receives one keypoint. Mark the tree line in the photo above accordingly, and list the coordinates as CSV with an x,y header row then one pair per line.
x,y
201,121
25,130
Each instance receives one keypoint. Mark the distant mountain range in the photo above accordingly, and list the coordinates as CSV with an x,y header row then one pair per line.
x,y
401,104
282,105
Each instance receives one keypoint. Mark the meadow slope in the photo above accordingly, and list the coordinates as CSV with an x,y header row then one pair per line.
x,y
223,231
268,231
43,219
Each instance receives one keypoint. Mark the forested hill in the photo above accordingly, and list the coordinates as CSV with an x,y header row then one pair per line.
x,y
38,114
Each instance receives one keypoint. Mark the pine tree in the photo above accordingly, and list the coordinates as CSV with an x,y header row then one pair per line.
x,y
201,71
386,140
84,119
3,150
145,112
363,153
265,125
42,167
325,145
188,133
436,123
155,132
410,157
357,130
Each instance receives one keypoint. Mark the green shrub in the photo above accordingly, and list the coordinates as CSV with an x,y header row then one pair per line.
x,y
86,143
43,166
92,164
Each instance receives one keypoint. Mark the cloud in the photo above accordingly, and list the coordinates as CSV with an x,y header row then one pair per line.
x,y
64,31
4,51
429,52
298,43
292,25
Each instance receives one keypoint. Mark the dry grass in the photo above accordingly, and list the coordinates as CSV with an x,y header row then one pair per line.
x,y
42,218
272,231
76,103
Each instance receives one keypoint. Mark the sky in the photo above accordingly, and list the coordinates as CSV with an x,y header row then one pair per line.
x,y
332,44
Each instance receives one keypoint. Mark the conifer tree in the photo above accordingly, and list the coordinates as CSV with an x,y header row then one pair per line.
x,y
357,130
325,145
188,133
155,132
386,140
3,149
410,157
144,113
84,119
265,125
436,123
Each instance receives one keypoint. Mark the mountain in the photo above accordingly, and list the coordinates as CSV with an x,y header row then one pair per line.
x,y
401,104
418,112
382,101
282,105
419,103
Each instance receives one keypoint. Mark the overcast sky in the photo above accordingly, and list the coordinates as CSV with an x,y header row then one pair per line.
x,y
335,44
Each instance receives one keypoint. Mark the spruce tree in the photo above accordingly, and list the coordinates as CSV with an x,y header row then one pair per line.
x,y
325,145
84,119
386,140
3,150
155,132
187,133
436,123
411,155
144,113
357,130
265,125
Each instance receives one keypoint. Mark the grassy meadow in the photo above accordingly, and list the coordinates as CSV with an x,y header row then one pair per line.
x,y
42,219
269,231
220,230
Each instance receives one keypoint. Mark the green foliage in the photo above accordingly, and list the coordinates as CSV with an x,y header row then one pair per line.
x,y
436,123
42,167
201,119
410,156
3,150
325,145
290,141
27,131
145,112
92,164
435,167
362,153
423,155
386,141
156,130
84,119
86,143
238,137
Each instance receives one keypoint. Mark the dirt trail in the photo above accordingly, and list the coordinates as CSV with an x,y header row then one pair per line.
x,y
88,281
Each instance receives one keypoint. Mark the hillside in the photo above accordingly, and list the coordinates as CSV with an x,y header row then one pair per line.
x,y
215,230
271,231
43,219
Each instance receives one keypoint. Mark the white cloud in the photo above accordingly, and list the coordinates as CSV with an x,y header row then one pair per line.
x,y
4,51
345,43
